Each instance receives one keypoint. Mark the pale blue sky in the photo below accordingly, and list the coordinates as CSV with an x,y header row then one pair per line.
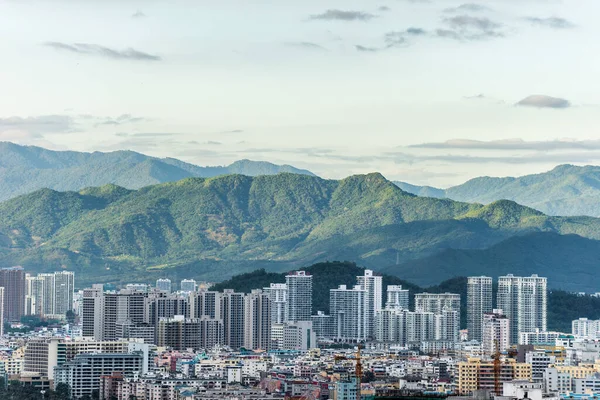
x,y
349,90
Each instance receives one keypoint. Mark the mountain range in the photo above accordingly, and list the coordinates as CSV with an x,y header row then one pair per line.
x,y
24,169
213,228
566,190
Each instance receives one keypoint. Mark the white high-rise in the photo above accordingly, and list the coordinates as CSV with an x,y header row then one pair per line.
x,y
164,284
495,332
64,287
586,328
299,304
397,298
479,302
188,285
347,308
524,301
257,320
1,311
437,302
372,285
278,294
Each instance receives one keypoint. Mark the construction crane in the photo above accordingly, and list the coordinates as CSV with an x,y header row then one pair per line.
x,y
497,368
358,371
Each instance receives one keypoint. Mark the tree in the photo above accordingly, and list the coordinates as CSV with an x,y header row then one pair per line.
x,y
70,315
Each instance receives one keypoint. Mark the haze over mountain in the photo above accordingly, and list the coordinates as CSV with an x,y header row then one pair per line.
x,y
566,190
24,169
212,228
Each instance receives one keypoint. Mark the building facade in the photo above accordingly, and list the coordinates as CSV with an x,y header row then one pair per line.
x,y
299,304
479,302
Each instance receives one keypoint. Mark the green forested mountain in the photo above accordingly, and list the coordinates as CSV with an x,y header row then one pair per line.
x,y
24,169
563,307
566,190
213,228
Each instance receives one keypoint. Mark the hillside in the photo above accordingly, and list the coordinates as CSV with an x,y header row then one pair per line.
x,y
563,307
569,261
213,228
566,190
24,169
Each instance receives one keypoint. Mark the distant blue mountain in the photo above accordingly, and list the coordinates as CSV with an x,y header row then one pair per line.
x,y
566,190
24,169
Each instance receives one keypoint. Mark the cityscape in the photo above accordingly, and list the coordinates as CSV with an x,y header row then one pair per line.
x,y
185,341
299,200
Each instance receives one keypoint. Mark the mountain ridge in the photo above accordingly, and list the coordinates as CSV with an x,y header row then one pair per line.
x,y
211,228
566,190
24,169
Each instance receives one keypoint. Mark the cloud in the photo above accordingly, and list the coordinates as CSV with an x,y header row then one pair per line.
x,y
97,50
543,101
416,31
384,8
120,120
467,27
212,143
39,125
532,158
467,7
146,134
365,48
395,39
138,14
342,15
233,131
512,144
551,22
306,45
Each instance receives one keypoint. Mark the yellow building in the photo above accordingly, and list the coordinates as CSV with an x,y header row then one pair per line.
x,y
479,375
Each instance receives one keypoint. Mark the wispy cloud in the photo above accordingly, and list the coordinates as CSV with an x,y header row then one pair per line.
x,y
97,50
467,7
138,14
467,27
343,15
366,49
120,120
233,131
306,45
543,101
551,22
38,125
512,144
384,8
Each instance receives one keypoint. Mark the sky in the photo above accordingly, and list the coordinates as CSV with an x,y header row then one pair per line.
x,y
429,92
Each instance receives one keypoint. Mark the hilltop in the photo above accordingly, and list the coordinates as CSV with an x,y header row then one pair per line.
x,y
213,228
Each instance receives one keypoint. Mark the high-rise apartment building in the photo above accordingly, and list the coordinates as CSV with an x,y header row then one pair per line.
x,y
347,307
278,293
372,285
479,302
586,328
46,300
188,285
182,333
524,301
13,281
257,320
204,303
164,284
437,302
92,312
299,304
447,326
64,288
232,313
397,297
495,333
